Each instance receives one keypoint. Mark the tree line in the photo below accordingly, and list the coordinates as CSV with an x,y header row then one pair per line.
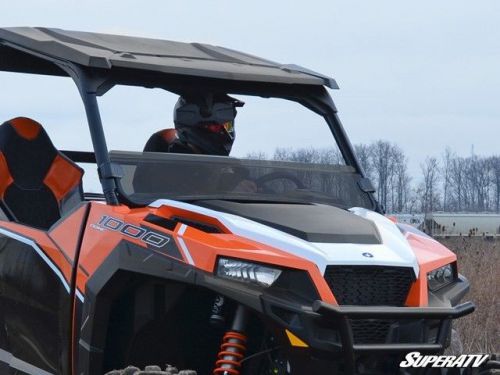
x,y
450,183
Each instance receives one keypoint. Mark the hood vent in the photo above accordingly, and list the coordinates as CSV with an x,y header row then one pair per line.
x,y
171,223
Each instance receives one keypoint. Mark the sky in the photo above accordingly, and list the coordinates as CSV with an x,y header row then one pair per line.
x,y
422,74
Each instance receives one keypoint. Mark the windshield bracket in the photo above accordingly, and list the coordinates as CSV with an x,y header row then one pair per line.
x,y
366,185
110,170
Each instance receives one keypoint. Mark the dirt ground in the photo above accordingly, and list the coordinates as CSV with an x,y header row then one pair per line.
x,y
479,261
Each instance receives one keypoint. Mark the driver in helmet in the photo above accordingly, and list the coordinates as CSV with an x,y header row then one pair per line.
x,y
204,124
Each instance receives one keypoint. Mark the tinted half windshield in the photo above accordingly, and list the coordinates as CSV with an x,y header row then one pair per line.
x,y
151,176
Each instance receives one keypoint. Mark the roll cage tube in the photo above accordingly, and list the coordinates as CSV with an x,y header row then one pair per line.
x,y
109,173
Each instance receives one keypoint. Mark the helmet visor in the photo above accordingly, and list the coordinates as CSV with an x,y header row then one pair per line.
x,y
226,127
229,127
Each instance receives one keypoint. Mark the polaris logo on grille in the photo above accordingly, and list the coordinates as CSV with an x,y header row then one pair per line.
x,y
149,237
415,359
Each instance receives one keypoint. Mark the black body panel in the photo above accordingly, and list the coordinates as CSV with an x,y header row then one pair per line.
x,y
110,281
35,311
134,55
311,222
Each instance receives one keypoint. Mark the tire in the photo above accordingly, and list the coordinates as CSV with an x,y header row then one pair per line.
x,y
151,370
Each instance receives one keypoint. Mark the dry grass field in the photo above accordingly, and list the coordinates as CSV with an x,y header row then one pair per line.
x,y
479,261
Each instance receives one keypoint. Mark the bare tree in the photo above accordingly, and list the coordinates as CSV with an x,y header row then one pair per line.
x,y
446,169
481,183
457,177
494,162
257,155
382,160
330,155
363,154
430,191
402,181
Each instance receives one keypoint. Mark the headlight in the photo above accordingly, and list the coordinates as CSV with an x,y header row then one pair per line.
x,y
440,277
247,272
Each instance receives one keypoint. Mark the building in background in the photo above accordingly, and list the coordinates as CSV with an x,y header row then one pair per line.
x,y
442,224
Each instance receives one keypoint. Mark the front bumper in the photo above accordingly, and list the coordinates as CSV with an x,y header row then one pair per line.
x,y
330,331
341,317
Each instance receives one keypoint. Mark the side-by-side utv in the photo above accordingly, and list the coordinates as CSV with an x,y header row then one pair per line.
x,y
171,264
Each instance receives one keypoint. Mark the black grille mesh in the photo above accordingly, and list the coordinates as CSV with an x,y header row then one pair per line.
x,y
369,285
370,331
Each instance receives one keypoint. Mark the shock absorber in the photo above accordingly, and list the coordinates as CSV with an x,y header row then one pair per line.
x,y
217,317
233,347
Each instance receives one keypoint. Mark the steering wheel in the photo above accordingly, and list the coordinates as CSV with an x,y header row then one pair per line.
x,y
261,181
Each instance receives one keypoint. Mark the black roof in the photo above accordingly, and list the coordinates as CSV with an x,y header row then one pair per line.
x,y
20,45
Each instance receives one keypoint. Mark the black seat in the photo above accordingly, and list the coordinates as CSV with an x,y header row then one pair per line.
x,y
38,184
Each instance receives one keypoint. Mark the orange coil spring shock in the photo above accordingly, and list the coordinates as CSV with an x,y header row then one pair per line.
x,y
232,352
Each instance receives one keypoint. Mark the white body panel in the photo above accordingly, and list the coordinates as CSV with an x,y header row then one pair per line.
x,y
394,250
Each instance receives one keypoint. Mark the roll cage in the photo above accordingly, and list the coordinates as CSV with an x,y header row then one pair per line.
x,y
97,62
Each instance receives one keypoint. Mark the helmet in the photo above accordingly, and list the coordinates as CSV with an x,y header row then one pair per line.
x,y
207,122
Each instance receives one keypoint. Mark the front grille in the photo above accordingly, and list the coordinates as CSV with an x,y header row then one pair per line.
x,y
369,285
370,331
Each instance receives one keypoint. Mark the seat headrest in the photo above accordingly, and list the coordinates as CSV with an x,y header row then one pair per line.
x,y
160,141
25,127
25,143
